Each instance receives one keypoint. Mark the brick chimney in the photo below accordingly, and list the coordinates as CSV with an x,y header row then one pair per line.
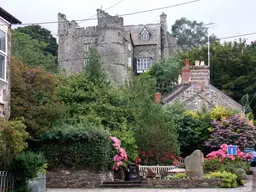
x,y
157,98
200,73
185,72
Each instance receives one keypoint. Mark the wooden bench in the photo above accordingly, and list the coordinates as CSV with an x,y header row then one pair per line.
x,y
158,170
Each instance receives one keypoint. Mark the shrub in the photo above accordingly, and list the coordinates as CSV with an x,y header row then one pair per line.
x,y
26,166
12,140
228,180
80,146
211,164
176,176
236,129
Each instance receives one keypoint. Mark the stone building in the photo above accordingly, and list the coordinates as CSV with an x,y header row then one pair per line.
x,y
195,91
122,48
6,20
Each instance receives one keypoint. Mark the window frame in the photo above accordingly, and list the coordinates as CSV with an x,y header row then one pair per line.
x,y
143,64
4,29
144,35
4,67
87,47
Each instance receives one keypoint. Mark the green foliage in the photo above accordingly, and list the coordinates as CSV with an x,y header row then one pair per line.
x,y
166,74
43,35
128,142
12,140
26,166
235,61
176,176
190,34
32,52
79,146
154,131
228,180
236,129
94,68
211,165
33,97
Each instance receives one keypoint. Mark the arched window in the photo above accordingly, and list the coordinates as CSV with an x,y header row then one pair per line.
x,y
144,35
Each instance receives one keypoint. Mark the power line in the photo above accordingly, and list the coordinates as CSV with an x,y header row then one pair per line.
x,y
104,10
126,14
241,35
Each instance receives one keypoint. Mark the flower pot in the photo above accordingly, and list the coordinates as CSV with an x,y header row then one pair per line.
x,y
132,173
119,175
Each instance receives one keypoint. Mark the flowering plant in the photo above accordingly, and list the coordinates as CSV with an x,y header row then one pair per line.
x,y
120,159
221,154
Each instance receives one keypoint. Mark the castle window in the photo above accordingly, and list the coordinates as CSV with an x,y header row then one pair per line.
x,y
2,67
144,35
86,61
129,62
143,64
86,47
129,47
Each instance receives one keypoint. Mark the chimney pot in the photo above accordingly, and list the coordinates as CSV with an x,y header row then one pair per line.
x,y
187,63
202,63
157,98
197,62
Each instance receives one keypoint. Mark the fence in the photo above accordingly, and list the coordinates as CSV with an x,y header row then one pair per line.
x,y
6,182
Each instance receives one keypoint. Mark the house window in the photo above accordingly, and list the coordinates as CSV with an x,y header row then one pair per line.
x,y
143,64
2,67
144,35
86,47
2,41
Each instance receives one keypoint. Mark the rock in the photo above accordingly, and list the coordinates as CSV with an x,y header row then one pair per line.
x,y
194,165
204,185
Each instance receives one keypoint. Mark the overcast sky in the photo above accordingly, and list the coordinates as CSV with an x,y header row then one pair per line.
x,y
232,17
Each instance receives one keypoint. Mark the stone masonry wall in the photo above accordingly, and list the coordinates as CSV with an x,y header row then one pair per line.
x,y
196,96
76,178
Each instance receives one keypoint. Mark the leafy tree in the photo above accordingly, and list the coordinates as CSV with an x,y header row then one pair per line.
x,y
32,52
232,68
42,35
154,132
166,73
190,34
235,130
33,97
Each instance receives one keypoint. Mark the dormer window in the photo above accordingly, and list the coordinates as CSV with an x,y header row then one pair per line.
x,y
144,35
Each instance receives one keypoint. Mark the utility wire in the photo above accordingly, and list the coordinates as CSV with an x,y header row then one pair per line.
x,y
104,10
126,14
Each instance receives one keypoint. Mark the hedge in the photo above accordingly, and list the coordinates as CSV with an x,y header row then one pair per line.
x,y
76,147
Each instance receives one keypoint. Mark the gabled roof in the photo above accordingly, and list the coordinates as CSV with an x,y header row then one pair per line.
x,y
183,87
145,28
8,17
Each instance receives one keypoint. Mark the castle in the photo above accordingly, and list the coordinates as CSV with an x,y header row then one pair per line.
x,y
122,48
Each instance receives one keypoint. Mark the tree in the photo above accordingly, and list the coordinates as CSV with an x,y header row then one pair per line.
x,y
155,134
33,97
32,52
42,35
232,68
166,73
190,34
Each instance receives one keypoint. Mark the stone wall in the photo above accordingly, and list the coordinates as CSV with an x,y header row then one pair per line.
x,y
76,178
182,183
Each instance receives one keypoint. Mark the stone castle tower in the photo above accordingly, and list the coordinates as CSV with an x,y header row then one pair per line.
x,y
133,47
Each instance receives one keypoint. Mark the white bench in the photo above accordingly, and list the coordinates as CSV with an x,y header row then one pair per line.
x,y
143,169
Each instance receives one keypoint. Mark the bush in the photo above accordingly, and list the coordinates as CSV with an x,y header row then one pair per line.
x,y
26,166
12,140
228,180
176,176
80,146
211,165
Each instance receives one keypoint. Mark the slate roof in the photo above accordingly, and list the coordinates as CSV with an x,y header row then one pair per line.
x,y
153,29
8,17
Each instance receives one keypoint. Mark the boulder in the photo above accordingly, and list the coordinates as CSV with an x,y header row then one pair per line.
x,y
194,165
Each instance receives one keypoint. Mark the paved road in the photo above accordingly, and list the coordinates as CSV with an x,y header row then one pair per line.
x,y
246,188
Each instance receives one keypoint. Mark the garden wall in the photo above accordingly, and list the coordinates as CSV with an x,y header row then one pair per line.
x,y
182,183
64,178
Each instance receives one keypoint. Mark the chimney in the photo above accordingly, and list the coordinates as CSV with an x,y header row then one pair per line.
x,y
157,98
185,72
200,73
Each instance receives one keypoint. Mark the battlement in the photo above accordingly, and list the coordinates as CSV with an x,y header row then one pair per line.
x,y
107,21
